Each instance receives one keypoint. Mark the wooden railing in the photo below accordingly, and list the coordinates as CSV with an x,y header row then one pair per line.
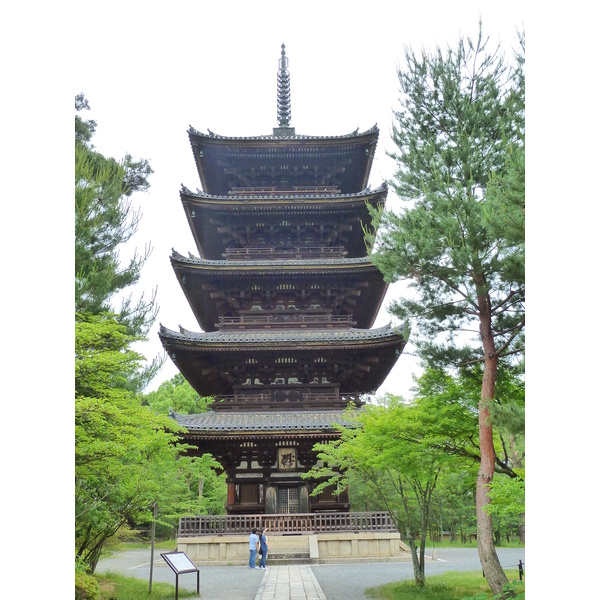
x,y
299,523
286,320
281,253
284,398
272,190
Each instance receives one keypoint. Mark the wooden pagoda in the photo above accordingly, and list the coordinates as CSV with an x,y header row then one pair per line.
x,y
285,295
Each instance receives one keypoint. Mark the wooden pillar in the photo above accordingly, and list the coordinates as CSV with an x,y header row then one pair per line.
x,y
231,493
270,500
303,501
343,496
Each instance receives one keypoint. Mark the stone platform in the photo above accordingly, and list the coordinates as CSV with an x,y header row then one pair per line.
x,y
319,548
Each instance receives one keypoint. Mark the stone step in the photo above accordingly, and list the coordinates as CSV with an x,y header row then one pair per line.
x,y
288,558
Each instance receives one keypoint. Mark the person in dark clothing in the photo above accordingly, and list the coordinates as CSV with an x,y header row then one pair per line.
x,y
264,549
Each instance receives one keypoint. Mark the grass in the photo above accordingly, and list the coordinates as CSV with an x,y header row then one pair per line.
x,y
453,585
473,544
119,587
162,545
139,545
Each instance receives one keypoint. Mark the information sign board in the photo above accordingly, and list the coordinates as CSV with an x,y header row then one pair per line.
x,y
179,562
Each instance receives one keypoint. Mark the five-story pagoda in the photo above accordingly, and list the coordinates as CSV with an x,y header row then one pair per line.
x,y
286,295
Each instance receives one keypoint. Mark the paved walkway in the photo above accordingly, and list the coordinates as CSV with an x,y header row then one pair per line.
x,y
344,581
290,582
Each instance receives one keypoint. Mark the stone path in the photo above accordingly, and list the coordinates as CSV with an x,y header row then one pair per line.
x,y
290,582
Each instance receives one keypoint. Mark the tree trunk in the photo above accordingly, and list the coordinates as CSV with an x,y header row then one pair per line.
x,y
418,565
522,529
490,563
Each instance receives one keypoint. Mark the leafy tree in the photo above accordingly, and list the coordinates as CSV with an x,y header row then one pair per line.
x,y
453,414
126,456
451,407
459,133
454,501
104,221
508,505
388,451
178,395
360,496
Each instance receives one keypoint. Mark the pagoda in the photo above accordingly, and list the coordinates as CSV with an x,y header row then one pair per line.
x,y
286,296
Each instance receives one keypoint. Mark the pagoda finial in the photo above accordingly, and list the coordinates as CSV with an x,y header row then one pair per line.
x,y
284,109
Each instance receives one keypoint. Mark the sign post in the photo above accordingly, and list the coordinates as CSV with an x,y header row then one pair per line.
x,y
180,563
152,547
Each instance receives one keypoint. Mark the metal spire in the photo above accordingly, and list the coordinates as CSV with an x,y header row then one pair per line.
x,y
284,109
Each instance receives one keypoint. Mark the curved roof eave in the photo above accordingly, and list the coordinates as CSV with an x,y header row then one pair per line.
x,y
285,264
387,333
265,421
186,193
212,137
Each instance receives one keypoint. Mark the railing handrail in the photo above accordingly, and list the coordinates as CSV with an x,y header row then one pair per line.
x,y
275,249
291,318
298,252
292,523
272,190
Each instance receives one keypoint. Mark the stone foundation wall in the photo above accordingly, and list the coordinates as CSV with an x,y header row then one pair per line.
x,y
318,548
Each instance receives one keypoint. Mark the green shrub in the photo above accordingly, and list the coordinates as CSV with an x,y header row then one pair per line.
x,y
86,586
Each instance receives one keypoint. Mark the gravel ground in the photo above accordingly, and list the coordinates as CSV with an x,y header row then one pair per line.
x,y
346,581
349,581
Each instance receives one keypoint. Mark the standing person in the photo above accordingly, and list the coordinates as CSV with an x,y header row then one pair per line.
x,y
253,541
264,547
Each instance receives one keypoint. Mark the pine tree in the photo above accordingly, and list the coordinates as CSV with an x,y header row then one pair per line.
x,y
459,241
104,221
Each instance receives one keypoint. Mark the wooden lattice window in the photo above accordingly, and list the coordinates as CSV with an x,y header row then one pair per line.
x,y
288,499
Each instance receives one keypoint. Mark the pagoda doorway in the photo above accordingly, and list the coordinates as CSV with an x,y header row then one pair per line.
x,y
288,500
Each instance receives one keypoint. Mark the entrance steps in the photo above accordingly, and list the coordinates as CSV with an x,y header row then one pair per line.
x,y
288,558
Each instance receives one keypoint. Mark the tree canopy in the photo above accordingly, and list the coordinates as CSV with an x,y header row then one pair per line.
x,y
178,395
459,239
396,453
127,455
460,172
104,221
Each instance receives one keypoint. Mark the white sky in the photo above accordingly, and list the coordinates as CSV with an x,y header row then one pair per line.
x,y
216,68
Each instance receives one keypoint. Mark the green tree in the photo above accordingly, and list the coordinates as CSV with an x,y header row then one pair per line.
x,y
453,414
104,221
178,395
454,502
387,449
451,408
460,119
508,505
126,456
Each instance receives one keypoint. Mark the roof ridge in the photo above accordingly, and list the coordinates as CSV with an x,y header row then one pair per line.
x,y
241,200
295,137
